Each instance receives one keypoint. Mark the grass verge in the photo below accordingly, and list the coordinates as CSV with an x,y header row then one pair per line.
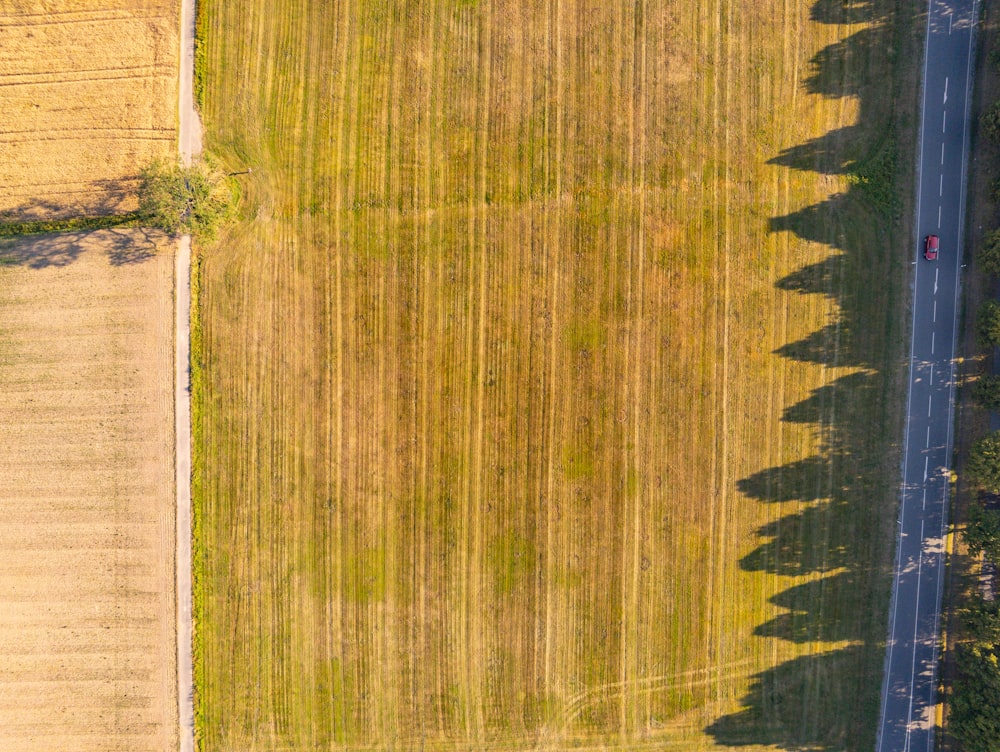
x,y
17,228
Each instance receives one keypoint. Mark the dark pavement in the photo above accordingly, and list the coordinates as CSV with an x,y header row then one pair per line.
x,y
906,720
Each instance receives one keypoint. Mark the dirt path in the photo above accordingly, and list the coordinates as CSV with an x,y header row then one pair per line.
x,y
189,143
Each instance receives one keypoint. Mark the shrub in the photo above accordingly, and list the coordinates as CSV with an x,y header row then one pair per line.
x,y
986,392
983,466
982,533
991,121
989,254
988,324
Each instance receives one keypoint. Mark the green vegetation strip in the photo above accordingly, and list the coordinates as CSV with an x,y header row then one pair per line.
x,y
974,703
16,228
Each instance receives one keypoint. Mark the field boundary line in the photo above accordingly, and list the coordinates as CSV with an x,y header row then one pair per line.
x,y
189,145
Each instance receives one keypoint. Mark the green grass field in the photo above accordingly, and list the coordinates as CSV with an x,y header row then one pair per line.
x,y
548,396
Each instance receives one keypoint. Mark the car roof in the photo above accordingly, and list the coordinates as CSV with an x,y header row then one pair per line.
x,y
932,241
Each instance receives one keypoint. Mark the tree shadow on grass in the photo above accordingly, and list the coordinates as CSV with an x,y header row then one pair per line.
x,y
824,154
817,611
845,11
795,706
837,539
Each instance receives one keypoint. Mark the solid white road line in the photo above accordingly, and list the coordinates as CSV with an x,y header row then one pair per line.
x,y
916,625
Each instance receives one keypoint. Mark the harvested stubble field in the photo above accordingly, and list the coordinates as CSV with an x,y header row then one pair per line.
x,y
88,92
87,620
547,398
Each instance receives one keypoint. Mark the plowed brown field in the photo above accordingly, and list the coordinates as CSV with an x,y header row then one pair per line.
x,y
88,95
87,647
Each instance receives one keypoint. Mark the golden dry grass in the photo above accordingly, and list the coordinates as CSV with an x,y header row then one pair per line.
x,y
545,399
87,614
88,92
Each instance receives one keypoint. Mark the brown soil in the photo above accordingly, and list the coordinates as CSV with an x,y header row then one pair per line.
x,y
87,631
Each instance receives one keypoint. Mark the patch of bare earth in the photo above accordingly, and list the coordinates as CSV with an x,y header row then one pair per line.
x,y
87,635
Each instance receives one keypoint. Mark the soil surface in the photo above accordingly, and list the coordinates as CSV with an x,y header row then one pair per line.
x,y
87,629
87,90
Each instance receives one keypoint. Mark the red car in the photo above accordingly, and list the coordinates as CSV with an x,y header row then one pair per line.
x,y
931,247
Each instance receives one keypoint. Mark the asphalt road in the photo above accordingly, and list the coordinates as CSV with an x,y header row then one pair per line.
x,y
189,146
907,717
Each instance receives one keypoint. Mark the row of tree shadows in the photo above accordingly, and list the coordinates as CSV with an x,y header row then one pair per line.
x,y
829,700
52,249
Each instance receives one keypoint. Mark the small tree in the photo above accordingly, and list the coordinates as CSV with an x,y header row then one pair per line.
x,y
988,324
982,619
982,533
178,199
986,391
983,466
989,254
991,121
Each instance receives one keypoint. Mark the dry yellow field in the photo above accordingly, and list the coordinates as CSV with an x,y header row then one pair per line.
x,y
88,92
547,398
87,620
